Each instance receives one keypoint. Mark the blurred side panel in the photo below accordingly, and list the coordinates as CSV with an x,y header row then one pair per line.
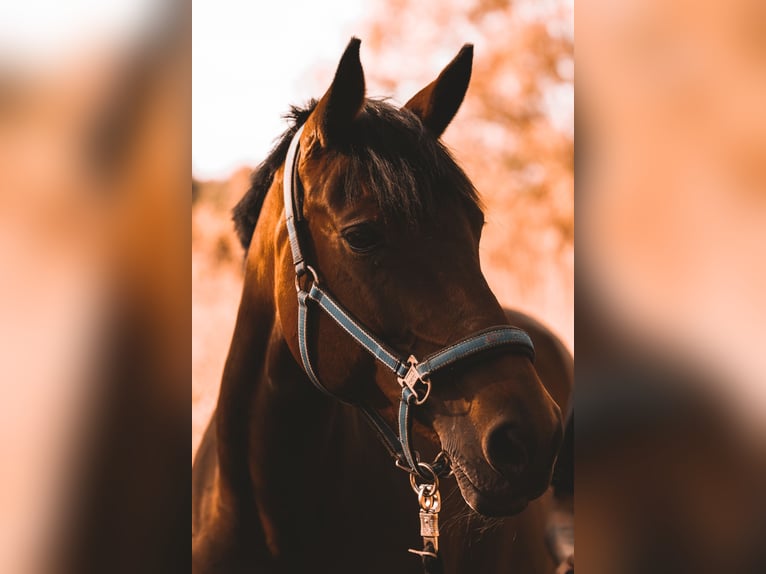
x,y
670,283
94,288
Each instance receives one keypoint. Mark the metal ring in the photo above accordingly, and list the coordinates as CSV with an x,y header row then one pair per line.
x,y
430,502
427,383
298,275
433,486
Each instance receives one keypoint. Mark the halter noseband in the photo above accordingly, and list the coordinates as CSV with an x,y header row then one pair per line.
x,y
413,375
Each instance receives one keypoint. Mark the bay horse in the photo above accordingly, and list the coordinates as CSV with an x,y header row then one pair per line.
x,y
361,236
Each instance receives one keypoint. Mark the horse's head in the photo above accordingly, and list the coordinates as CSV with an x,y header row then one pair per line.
x,y
392,226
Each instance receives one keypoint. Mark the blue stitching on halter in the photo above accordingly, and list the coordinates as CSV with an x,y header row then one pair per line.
x,y
482,341
295,248
303,344
357,331
385,434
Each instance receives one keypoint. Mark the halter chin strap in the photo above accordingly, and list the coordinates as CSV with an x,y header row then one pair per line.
x,y
412,375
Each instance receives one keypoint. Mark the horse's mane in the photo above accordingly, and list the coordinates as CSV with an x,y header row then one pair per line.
x,y
245,213
408,170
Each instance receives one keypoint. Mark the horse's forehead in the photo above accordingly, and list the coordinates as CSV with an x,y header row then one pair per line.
x,y
357,192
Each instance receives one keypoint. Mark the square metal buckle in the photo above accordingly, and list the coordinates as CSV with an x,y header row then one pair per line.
x,y
411,380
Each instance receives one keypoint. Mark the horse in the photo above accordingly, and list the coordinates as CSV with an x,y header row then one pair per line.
x,y
361,235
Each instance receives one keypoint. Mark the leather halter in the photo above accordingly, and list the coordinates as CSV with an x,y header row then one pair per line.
x,y
413,375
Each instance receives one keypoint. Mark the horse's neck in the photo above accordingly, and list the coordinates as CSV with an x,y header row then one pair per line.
x,y
291,432
275,431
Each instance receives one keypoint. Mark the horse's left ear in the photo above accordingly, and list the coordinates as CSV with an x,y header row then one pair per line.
x,y
343,100
438,102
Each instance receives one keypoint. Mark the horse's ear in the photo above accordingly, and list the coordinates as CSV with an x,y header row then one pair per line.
x,y
438,102
343,100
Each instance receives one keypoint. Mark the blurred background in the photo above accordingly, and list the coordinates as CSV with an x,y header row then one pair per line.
x,y
94,285
671,269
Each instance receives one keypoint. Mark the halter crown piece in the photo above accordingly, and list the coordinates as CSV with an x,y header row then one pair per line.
x,y
412,375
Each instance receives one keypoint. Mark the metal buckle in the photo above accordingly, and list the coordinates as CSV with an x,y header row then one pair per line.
x,y
412,378
306,269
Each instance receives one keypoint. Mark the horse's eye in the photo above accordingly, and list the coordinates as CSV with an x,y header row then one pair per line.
x,y
362,237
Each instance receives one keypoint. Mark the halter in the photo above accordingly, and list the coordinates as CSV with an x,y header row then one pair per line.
x,y
412,375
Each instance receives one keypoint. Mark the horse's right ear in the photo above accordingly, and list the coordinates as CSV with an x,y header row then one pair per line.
x,y
438,102
342,102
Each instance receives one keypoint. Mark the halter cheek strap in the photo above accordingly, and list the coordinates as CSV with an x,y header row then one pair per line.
x,y
412,375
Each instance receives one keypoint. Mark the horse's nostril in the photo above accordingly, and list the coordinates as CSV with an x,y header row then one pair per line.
x,y
505,451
